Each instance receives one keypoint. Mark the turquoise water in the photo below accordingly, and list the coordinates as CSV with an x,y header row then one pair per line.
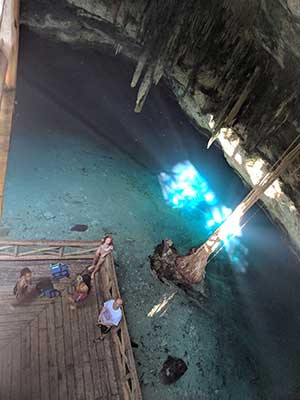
x,y
80,155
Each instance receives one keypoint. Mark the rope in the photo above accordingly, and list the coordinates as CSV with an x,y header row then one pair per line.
x,y
287,157
279,166
223,245
275,171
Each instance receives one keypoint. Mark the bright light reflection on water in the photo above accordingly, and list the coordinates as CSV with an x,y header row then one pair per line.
x,y
186,188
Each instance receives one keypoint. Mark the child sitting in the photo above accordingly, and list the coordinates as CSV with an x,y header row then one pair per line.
x,y
81,292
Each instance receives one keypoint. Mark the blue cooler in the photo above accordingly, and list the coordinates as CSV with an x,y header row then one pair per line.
x,y
59,271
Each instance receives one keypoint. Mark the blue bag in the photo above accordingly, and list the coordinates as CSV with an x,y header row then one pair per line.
x,y
59,271
50,293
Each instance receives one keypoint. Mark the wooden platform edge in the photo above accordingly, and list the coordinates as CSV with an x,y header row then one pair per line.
x,y
108,284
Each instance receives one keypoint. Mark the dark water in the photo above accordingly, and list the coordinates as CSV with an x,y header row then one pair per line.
x,y
80,155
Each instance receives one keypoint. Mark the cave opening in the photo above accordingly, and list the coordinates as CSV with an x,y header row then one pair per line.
x,y
82,164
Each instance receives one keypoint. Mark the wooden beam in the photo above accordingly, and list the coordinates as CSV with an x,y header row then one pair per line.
x,y
3,72
53,243
46,250
3,56
6,113
2,5
9,36
9,47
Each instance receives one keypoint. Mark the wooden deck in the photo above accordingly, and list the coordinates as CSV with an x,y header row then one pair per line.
x,y
47,350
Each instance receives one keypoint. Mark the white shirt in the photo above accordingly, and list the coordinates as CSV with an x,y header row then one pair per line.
x,y
105,249
110,315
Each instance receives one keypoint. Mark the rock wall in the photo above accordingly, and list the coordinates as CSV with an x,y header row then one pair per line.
x,y
233,66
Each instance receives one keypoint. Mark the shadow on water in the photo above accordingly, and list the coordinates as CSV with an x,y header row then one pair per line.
x,y
93,91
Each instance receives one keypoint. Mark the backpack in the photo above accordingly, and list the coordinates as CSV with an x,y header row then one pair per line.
x,y
50,293
46,288
59,271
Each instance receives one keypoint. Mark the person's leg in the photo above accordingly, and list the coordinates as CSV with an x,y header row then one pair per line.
x,y
93,266
71,300
26,295
104,330
97,267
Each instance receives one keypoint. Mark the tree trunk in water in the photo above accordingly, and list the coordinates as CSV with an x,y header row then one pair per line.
x,y
168,264
191,268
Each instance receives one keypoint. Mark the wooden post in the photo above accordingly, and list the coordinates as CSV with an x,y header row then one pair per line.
x,y
3,72
9,35
9,46
6,112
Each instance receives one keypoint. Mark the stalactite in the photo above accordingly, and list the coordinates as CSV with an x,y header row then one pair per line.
x,y
144,89
115,9
158,72
139,69
169,29
172,28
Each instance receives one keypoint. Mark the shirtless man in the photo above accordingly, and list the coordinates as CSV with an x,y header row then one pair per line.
x,y
106,247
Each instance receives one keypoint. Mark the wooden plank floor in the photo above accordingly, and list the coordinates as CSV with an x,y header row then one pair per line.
x,y
47,350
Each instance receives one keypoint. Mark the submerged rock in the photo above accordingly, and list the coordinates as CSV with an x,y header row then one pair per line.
x,y
80,228
48,215
172,370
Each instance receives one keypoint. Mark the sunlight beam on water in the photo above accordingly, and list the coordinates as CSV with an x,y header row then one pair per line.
x,y
185,188
162,306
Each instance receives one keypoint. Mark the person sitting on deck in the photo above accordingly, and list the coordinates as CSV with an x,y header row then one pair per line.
x,y
106,247
24,289
110,315
81,292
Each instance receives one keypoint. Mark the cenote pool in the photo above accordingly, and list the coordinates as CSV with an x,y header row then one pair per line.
x,y
80,155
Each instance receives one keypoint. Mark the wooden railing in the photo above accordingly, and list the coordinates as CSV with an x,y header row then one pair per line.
x,y
47,250
123,350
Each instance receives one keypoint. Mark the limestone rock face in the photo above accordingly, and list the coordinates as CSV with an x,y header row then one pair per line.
x,y
234,70
294,7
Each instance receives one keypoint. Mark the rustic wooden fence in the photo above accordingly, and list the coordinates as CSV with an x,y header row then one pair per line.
x,y
47,250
